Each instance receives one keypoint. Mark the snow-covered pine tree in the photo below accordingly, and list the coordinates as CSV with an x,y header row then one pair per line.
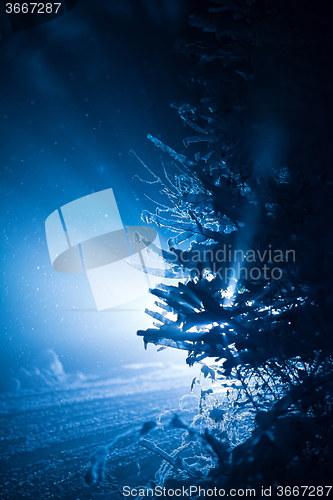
x,y
257,178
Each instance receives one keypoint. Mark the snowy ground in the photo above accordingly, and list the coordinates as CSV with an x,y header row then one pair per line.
x,y
48,435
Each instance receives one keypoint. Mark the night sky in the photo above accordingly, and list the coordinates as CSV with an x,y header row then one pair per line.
x,y
77,95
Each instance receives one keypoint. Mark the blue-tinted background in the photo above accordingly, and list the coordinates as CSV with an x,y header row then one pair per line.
x,y
77,94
